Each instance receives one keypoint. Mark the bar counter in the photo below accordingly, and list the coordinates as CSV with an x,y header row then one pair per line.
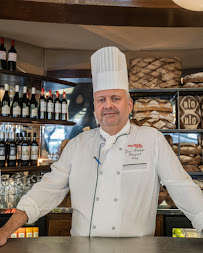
x,y
101,245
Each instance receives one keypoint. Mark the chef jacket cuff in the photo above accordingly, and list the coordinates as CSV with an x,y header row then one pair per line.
x,y
198,222
27,205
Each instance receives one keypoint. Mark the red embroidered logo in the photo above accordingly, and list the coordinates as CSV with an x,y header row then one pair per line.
x,y
135,146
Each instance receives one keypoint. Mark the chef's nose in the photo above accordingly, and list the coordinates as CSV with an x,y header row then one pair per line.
x,y
108,103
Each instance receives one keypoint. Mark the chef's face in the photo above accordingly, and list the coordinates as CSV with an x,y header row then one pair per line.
x,y
112,108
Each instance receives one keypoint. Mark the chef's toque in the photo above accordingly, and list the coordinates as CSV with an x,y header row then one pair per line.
x,y
109,69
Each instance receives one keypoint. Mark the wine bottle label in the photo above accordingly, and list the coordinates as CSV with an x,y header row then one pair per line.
x,y
25,111
12,153
2,55
58,107
12,57
34,152
5,109
2,153
50,107
25,153
19,152
16,110
33,112
43,106
64,108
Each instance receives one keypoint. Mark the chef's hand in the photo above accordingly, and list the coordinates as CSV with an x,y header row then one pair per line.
x,y
3,237
17,220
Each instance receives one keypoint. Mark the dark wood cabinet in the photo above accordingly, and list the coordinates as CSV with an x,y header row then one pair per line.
x,y
58,224
159,225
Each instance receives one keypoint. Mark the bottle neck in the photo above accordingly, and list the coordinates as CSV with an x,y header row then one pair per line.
x,y
12,44
2,41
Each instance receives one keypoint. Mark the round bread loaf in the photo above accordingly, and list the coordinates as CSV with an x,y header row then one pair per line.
x,y
169,139
188,149
158,124
191,168
190,160
193,78
150,104
193,85
154,115
201,168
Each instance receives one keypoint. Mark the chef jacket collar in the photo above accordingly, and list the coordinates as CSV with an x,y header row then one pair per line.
x,y
124,131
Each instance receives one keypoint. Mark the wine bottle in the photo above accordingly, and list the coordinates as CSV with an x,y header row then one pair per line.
x,y
2,150
16,105
42,106
34,150
64,106
12,150
25,104
57,107
7,141
19,146
5,110
50,107
25,150
33,105
12,57
2,55
29,143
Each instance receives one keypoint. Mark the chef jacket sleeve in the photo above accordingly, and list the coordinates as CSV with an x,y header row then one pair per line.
x,y
186,195
50,191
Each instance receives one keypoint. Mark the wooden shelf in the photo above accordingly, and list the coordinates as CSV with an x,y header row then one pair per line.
x,y
20,78
181,130
35,121
5,170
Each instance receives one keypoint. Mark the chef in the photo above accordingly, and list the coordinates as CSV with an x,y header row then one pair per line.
x,y
113,172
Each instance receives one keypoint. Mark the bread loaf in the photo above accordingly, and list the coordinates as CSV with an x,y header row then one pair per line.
x,y
201,168
150,104
169,139
153,115
158,124
193,85
193,78
149,73
190,113
190,160
191,168
188,149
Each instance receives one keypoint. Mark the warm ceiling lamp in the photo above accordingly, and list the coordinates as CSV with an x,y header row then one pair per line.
x,y
192,5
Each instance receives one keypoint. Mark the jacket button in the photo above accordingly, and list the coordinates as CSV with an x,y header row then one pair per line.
x,y
97,198
115,200
101,172
93,226
113,228
118,173
120,149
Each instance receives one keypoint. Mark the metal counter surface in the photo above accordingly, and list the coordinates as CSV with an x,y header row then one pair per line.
x,y
101,245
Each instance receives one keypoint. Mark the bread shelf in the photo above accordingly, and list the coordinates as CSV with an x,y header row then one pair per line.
x,y
6,170
35,121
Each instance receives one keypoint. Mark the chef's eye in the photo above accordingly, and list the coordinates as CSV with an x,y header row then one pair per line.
x,y
116,99
101,100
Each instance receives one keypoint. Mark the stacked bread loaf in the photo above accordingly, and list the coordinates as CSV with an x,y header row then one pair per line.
x,y
153,73
193,80
190,112
153,112
190,155
200,142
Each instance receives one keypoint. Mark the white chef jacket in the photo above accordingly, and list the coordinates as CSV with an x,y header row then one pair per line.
x,y
117,198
